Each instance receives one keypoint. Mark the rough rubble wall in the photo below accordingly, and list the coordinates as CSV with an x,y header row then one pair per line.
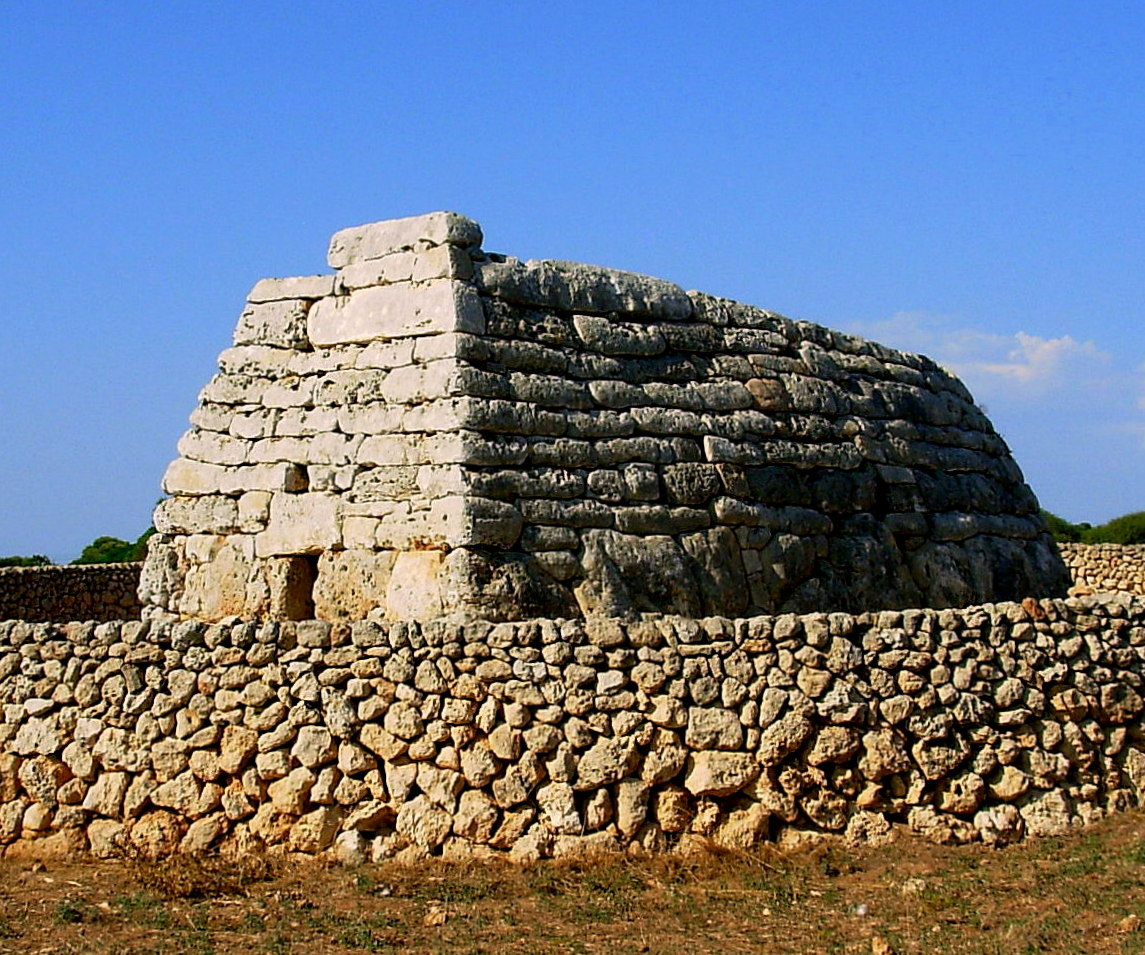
x,y
437,430
82,592
553,737
1099,568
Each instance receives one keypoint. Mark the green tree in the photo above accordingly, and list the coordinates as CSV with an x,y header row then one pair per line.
x,y
112,550
36,560
1063,530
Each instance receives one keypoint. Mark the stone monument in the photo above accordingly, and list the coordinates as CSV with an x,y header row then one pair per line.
x,y
436,430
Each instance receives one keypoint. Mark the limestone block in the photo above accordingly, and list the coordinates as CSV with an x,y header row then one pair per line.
x,y
476,816
412,384
300,524
196,515
105,797
414,590
351,583
618,338
476,521
253,511
386,270
301,422
448,414
376,239
433,262
186,477
582,288
213,448
295,287
396,311
626,573
715,773
713,729
281,323
377,418
219,587
156,834
258,361
194,477
423,823
289,794
607,761
395,354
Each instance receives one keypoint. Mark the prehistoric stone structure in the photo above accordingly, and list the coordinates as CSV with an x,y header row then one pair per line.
x,y
437,430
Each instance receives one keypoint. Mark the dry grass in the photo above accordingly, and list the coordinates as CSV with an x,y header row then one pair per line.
x,y
1079,894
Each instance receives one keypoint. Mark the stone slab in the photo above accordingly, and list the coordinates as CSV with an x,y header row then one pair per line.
x,y
402,310
375,239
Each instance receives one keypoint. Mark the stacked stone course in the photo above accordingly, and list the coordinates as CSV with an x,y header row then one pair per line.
x,y
551,737
1098,568
81,592
437,430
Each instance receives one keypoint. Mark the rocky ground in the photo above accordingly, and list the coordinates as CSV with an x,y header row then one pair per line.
x,y
1081,893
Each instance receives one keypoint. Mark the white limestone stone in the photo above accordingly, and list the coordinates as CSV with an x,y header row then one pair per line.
x,y
193,477
294,287
414,592
281,323
300,524
376,239
396,311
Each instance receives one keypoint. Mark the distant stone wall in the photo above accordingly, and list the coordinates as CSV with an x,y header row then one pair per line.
x,y
1106,567
545,737
435,429
79,592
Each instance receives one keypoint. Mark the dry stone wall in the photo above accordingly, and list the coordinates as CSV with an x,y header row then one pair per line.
x,y
80,592
438,430
549,737
1096,568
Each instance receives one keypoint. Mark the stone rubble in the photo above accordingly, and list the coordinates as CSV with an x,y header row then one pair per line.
x,y
374,739
72,592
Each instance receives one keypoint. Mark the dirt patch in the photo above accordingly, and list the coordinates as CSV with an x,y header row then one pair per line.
x,y
1083,893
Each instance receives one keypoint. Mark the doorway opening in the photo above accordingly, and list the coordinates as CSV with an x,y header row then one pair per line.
x,y
298,589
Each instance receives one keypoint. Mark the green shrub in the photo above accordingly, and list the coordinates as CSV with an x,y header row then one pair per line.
x,y
1063,530
36,560
112,550
1127,529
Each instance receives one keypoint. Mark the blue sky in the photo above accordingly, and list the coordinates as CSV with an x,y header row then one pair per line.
x,y
962,179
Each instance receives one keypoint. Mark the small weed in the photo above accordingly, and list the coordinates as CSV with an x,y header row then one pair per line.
x,y
143,909
254,923
73,911
278,943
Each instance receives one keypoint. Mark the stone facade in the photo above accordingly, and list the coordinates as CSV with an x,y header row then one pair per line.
x,y
1098,568
75,592
437,430
545,737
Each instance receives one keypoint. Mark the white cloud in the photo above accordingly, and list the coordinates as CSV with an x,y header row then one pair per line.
x,y
1025,362
1037,360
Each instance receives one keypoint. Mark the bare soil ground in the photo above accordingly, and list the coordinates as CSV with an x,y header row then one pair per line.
x,y
1084,893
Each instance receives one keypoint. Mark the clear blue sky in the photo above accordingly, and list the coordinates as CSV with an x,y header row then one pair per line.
x,y
959,178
